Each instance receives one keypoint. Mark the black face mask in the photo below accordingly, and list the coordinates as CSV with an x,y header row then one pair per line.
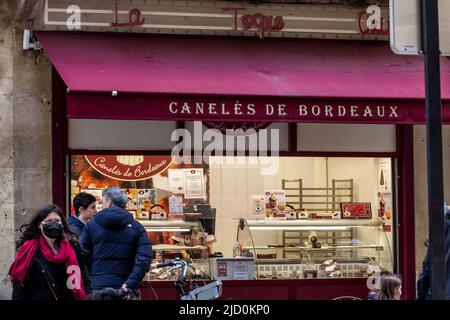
x,y
53,230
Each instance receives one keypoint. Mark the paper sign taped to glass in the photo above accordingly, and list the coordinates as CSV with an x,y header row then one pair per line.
x,y
257,206
176,206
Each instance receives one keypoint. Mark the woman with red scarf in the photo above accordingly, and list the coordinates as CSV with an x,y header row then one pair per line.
x,y
50,262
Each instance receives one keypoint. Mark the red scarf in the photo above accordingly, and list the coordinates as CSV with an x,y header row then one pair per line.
x,y
27,253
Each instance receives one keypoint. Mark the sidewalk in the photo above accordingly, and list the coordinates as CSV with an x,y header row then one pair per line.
x,y
5,289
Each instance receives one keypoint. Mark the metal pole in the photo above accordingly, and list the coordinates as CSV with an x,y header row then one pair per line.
x,y
430,45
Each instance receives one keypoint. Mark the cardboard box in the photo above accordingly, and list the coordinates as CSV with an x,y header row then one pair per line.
x,y
361,210
161,215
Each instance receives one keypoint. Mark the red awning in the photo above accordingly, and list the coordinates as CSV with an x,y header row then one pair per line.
x,y
247,79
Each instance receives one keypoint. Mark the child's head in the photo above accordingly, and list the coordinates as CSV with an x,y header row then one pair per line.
x,y
390,288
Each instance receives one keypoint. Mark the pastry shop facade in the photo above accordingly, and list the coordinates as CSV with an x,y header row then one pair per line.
x,y
280,165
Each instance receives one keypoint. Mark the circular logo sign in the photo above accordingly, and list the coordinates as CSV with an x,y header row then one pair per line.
x,y
244,126
129,168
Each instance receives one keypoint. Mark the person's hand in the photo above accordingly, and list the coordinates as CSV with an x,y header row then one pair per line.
x,y
127,291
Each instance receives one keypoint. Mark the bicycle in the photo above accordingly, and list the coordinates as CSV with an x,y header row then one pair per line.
x,y
211,291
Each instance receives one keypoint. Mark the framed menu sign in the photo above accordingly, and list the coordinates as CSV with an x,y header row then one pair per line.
x,y
189,182
359,210
195,183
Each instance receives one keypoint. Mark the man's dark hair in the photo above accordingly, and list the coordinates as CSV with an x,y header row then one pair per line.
x,y
83,200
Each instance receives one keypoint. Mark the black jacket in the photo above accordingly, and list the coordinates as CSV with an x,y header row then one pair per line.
x,y
120,250
43,273
447,251
424,280
76,224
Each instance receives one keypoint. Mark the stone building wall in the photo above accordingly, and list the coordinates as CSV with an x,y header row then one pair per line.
x,y
25,132
6,137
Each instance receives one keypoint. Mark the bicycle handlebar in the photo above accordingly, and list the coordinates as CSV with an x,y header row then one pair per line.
x,y
167,264
194,292
177,263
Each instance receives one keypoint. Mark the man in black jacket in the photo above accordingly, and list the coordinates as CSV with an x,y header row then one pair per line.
x,y
424,280
120,250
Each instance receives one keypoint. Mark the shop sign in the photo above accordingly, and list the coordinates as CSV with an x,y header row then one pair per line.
x,y
263,23
222,269
249,110
384,195
219,18
213,110
129,167
134,18
372,22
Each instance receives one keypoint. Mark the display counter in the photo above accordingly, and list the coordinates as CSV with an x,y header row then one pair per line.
x,y
303,249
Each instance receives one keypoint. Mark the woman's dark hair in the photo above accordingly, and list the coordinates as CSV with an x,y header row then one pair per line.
x,y
32,231
388,285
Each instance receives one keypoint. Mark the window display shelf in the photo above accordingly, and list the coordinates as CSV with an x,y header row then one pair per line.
x,y
310,222
169,225
298,224
167,247
376,247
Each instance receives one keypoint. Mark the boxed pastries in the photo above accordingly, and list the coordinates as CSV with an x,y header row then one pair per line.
x,y
275,203
360,210
290,212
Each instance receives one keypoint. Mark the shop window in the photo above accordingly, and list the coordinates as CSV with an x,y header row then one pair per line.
x,y
94,134
270,218
274,136
346,137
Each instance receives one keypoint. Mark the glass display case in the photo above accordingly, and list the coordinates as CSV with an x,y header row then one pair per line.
x,y
181,239
298,249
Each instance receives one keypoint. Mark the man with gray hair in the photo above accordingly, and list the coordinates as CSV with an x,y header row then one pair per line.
x,y
119,247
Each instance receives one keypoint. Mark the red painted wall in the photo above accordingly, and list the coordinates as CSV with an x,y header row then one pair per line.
x,y
303,289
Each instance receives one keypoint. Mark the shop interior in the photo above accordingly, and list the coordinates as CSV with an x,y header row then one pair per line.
x,y
247,217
